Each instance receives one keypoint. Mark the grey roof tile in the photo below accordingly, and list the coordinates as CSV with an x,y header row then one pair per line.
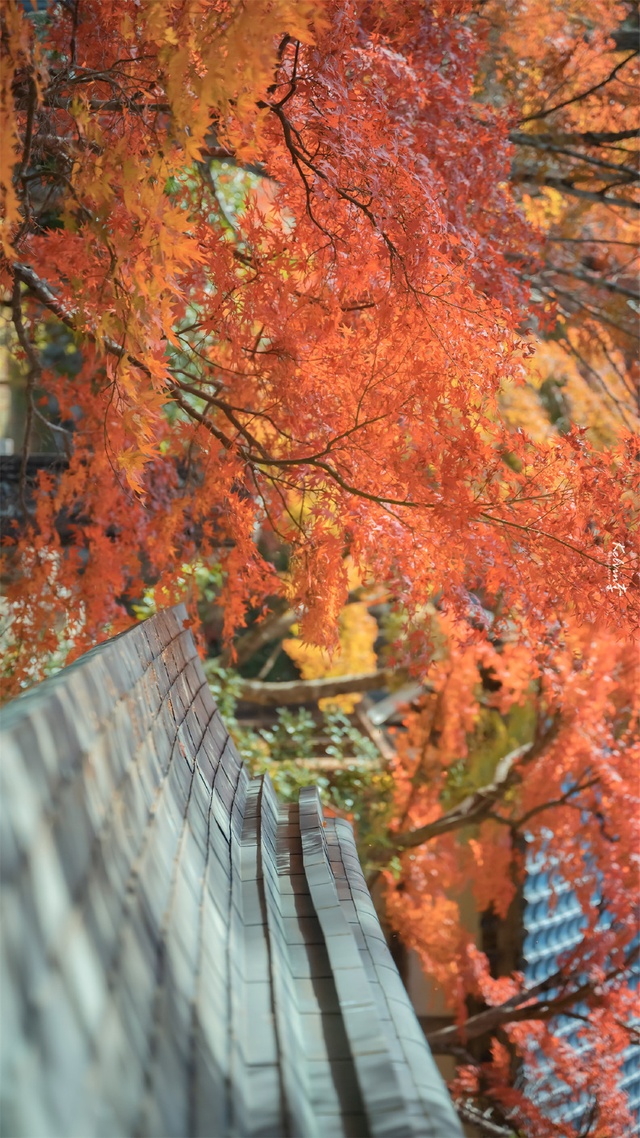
x,y
184,955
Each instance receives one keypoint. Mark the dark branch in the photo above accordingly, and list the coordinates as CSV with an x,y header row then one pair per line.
x,y
594,281
273,627
566,186
588,137
474,808
537,143
583,94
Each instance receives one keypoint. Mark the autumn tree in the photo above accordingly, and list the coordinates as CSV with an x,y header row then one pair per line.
x,y
299,250
571,74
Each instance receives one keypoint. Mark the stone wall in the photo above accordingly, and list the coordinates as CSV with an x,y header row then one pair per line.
x,y
181,955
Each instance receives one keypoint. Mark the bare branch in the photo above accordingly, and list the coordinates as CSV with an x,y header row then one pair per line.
x,y
309,691
330,766
273,627
377,736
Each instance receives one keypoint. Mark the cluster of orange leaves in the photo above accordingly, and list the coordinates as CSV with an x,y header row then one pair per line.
x,y
348,343
586,682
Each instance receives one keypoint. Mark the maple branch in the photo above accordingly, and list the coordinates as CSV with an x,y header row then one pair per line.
x,y
296,156
61,103
591,279
294,76
474,808
28,137
299,157
48,298
624,378
587,137
590,241
563,800
380,499
273,627
228,411
549,537
566,186
534,141
310,691
554,291
583,95
202,419
524,1006
620,406
378,737
74,32
567,311
41,290
270,661
313,460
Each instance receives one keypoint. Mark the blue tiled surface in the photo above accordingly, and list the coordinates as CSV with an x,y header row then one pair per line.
x,y
553,922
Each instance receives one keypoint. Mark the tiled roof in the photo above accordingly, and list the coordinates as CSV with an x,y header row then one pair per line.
x,y
553,925
181,954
